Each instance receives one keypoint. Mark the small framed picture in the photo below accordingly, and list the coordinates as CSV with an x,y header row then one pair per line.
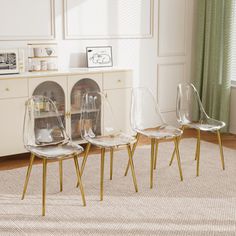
x,y
9,61
99,56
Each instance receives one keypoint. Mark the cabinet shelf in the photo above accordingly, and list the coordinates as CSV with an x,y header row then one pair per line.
x,y
42,70
43,57
79,111
49,114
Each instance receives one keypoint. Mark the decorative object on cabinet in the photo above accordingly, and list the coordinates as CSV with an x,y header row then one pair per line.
x,y
46,138
42,57
99,56
9,62
78,90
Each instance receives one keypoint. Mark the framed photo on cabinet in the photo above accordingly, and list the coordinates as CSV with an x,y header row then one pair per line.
x,y
9,63
99,56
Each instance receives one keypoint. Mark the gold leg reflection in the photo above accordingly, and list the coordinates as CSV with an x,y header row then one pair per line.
x,y
133,150
197,155
28,175
79,179
85,157
178,158
44,185
152,161
132,167
155,157
111,162
221,150
61,175
102,173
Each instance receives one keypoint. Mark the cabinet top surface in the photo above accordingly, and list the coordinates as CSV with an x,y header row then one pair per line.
x,y
68,72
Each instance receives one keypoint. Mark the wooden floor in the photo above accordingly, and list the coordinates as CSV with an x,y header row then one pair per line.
x,y
17,161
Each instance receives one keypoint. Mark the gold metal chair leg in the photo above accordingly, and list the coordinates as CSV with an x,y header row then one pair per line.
x,y
79,179
133,150
176,141
85,157
173,154
155,156
44,186
172,157
152,161
102,173
28,175
132,167
221,150
111,162
61,175
197,155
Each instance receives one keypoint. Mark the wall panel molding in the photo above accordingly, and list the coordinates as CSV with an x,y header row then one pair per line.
x,y
129,15
169,76
172,26
33,20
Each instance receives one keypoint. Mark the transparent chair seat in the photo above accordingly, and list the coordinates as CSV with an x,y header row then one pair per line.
x,y
90,123
205,125
56,151
161,132
147,120
190,111
45,137
112,140
105,135
44,132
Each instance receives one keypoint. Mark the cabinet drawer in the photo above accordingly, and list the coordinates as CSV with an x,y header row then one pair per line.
x,y
117,80
13,88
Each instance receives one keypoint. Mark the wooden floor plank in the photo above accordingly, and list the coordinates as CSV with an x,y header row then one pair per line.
x,y
18,161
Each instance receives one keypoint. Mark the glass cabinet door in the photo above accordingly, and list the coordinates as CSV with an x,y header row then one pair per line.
x,y
55,92
77,93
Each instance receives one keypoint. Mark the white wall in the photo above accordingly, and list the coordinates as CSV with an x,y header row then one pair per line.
x,y
159,62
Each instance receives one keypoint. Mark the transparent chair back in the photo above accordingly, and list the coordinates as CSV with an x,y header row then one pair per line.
x,y
95,108
42,123
145,112
189,108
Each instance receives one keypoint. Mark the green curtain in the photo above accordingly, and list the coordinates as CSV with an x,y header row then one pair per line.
x,y
212,63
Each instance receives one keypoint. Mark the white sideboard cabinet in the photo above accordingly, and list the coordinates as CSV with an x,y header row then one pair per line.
x,y
66,89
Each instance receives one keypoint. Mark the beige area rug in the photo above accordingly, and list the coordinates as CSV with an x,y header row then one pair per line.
x,y
197,206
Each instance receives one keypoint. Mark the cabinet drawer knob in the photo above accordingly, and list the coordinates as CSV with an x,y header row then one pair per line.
x,y
119,80
7,89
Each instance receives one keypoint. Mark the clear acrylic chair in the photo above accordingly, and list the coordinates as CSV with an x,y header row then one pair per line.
x,y
46,138
105,136
191,114
147,120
